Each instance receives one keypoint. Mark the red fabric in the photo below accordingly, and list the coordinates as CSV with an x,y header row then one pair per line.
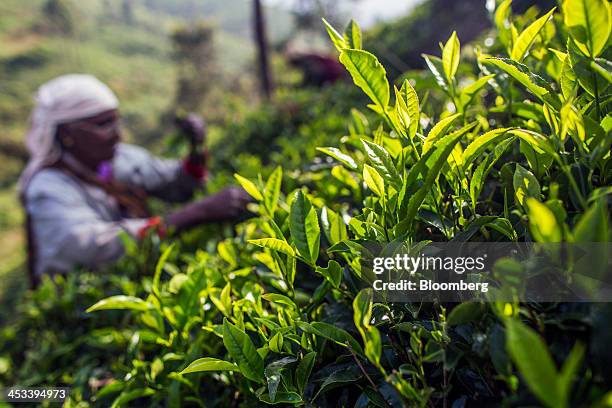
x,y
153,223
195,170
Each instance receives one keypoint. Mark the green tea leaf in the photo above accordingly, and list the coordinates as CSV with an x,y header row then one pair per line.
x,y
159,267
335,36
468,93
352,35
569,369
304,227
273,374
436,67
439,130
362,314
276,345
340,378
209,364
534,83
128,396
450,56
362,308
525,185
527,37
345,177
481,143
341,157
373,180
242,350
368,74
477,181
499,224
593,224
333,333
530,354
542,222
433,164
502,21
333,273
465,312
249,187
410,99
589,23
333,226
282,398
277,298
582,70
272,190
304,368
538,142
274,244
121,302
382,162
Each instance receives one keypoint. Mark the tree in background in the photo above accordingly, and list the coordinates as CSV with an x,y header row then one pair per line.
x,y
195,59
59,16
265,73
400,43
127,11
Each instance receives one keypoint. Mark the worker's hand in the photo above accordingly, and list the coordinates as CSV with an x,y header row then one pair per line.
x,y
194,127
227,205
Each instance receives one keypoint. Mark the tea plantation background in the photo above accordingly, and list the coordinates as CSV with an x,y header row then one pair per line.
x,y
500,131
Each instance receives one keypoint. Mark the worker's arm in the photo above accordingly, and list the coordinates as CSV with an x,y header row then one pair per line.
x,y
170,180
68,231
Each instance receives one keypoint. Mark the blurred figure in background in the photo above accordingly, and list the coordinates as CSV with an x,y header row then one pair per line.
x,y
82,187
318,69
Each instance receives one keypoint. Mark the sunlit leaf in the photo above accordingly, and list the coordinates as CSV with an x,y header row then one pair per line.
x,y
530,354
249,187
589,23
304,227
121,302
352,35
450,56
382,162
374,180
338,155
542,222
335,36
274,244
368,74
209,364
242,350
527,37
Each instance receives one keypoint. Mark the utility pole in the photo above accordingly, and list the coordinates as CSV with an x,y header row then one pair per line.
x,y
262,48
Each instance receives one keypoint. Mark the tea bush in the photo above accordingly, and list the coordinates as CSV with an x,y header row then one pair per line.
x,y
513,146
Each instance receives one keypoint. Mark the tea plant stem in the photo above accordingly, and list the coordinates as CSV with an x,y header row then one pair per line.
x,y
396,130
597,107
572,181
439,214
510,103
362,369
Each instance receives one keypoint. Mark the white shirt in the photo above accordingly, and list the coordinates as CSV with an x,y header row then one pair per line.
x,y
78,224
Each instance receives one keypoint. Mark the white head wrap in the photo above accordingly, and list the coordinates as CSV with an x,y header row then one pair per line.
x,y
61,100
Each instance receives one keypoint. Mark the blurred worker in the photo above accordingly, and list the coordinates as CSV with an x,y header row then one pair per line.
x,y
319,69
83,188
